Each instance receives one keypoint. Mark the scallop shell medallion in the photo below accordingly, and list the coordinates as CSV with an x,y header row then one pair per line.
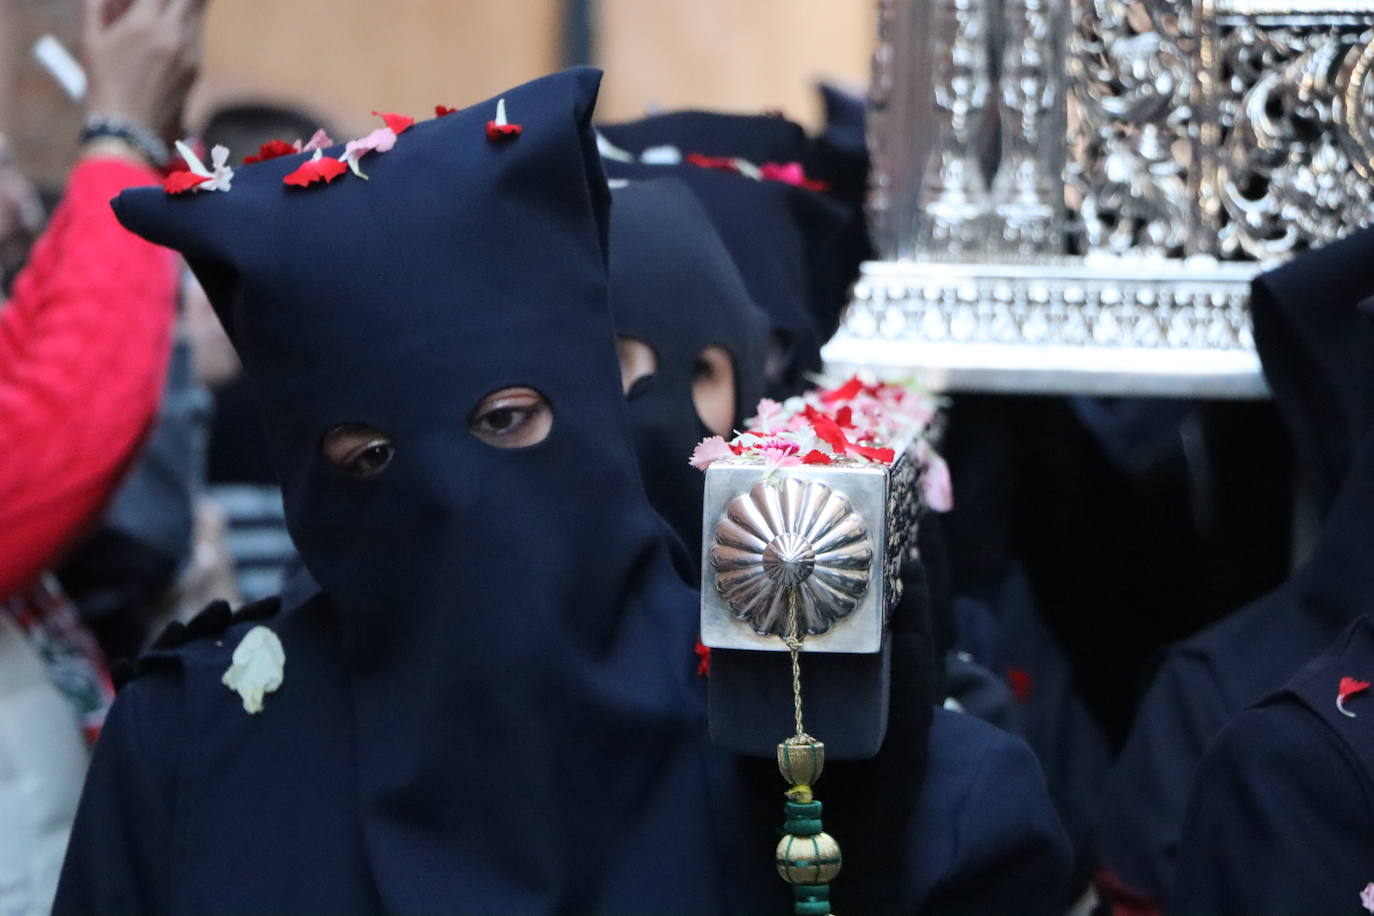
x,y
791,534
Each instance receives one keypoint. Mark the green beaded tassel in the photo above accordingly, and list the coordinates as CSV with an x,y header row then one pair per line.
x,y
807,857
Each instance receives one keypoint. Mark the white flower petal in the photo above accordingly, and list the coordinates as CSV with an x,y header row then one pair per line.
x,y
258,667
661,155
193,163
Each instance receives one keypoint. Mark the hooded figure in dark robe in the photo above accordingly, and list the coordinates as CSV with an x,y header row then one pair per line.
x,y
675,289
1281,815
1306,326
756,137
791,243
492,704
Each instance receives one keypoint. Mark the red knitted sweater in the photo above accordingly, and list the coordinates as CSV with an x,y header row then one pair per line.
x,y
83,350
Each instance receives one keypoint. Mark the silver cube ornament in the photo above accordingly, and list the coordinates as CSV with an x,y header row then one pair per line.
x,y
836,532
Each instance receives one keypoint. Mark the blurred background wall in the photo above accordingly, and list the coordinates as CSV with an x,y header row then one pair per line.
x,y
342,58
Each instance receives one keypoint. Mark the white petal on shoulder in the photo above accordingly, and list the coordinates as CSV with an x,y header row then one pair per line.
x,y
258,667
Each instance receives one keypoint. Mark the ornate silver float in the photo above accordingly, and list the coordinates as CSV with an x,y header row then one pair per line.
x,y
1153,157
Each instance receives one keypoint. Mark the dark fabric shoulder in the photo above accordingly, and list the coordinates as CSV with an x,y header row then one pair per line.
x,y
1336,689
1254,650
208,633
1277,821
986,837
1350,655
976,691
1203,683
185,777
214,620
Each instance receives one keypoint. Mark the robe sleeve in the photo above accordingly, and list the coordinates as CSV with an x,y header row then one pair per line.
x,y
120,857
1147,789
83,352
997,846
1278,821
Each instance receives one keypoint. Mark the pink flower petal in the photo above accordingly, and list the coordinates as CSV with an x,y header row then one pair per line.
x,y
1367,897
790,446
318,140
775,458
936,485
790,173
381,140
769,416
708,450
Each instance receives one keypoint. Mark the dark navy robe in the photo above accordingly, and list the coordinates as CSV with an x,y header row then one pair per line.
x,y
1315,347
1005,634
1281,818
216,823
1210,678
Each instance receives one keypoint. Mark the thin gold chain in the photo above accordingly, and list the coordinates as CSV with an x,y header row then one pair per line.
x,y
794,644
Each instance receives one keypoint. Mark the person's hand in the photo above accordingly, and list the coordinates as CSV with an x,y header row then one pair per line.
x,y
142,57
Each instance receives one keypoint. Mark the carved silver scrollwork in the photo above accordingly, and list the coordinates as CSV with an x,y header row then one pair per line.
x,y
1130,79
1204,141
1292,165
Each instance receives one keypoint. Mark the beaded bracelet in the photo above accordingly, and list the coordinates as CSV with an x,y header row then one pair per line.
x,y
137,135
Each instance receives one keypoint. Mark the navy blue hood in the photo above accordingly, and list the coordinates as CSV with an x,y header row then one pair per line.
x,y
518,647
674,287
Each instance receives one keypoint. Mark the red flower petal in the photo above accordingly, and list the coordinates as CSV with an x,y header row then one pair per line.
x,y
885,455
815,457
845,392
181,182
398,123
302,177
502,131
331,168
845,417
270,150
1348,688
443,110
712,162
830,432
737,449
314,171
704,654
1019,680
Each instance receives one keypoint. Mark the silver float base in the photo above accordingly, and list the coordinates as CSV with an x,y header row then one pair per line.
x,y
1100,326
